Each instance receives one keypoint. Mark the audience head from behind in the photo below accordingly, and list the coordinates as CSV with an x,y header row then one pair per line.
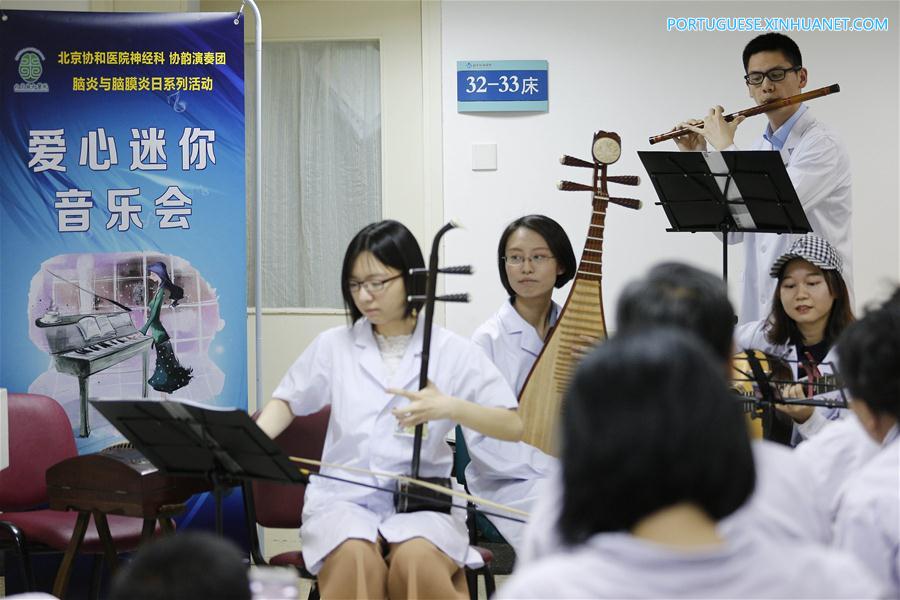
x,y
869,357
681,296
185,566
651,411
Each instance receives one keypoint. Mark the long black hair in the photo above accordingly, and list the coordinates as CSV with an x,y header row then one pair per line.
x,y
394,246
176,292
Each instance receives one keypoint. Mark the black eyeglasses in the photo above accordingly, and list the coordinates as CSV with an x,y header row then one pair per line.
x,y
374,286
776,74
517,260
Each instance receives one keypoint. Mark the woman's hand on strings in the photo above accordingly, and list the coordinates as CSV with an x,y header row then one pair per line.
x,y
427,404
798,412
583,346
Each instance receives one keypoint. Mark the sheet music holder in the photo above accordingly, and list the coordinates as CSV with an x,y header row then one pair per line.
x,y
725,192
187,439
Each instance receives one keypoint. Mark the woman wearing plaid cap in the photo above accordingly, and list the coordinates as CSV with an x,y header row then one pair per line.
x,y
810,308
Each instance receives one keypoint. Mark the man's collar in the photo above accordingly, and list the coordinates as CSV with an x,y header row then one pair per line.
x,y
780,137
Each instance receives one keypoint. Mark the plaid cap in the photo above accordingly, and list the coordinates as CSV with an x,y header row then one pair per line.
x,y
810,248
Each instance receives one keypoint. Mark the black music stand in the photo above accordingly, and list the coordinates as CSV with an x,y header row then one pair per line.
x,y
724,192
186,439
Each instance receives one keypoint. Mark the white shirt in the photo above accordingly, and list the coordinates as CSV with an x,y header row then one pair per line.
x,y
618,565
511,473
781,507
753,336
513,345
868,517
343,368
832,457
819,168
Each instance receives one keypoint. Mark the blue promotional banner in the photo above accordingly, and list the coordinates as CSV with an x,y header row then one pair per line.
x,y
122,210
501,85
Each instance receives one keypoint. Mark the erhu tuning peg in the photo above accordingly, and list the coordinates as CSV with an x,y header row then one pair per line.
x,y
457,270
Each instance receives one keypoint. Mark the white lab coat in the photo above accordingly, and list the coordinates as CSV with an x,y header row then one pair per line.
x,y
832,456
819,168
753,336
618,565
868,514
782,507
343,368
511,473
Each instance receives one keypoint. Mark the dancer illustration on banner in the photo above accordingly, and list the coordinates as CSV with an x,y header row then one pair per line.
x,y
169,374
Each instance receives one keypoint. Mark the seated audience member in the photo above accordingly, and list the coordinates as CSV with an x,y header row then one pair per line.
x,y
694,301
867,521
831,457
650,464
186,566
534,256
810,308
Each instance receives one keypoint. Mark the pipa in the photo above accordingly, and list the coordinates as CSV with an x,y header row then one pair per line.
x,y
540,401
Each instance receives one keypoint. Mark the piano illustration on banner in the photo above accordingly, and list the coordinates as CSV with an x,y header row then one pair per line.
x,y
85,344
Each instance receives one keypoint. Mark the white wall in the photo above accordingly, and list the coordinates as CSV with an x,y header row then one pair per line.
x,y
613,66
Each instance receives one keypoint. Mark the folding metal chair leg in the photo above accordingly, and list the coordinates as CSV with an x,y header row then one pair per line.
x,y
489,586
313,590
24,557
472,583
96,577
27,570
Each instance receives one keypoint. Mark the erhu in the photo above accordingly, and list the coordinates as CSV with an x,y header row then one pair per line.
x,y
411,497
756,110
540,400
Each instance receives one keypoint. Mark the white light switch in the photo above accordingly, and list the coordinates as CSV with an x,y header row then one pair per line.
x,y
484,157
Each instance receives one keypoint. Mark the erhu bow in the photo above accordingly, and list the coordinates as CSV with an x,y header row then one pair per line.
x,y
440,490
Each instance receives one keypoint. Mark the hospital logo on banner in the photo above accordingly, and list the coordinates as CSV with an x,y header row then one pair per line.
x,y
30,69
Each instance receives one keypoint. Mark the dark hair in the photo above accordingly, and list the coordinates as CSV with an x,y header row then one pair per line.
x,y
556,239
649,423
679,295
176,293
783,329
894,300
773,42
869,354
393,245
184,567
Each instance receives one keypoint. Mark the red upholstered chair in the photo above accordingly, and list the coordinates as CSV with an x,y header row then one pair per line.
x,y
40,436
278,505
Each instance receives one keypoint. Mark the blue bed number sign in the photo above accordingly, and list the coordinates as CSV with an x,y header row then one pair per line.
x,y
501,85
